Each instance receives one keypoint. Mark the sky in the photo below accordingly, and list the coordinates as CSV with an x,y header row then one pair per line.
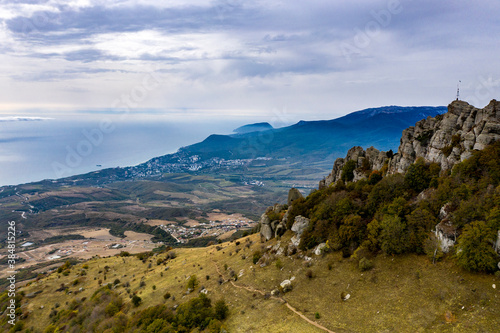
x,y
232,58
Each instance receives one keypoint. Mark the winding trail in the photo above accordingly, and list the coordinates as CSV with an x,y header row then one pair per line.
x,y
294,310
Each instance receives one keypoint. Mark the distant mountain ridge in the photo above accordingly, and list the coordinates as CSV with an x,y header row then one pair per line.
x,y
258,127
310,140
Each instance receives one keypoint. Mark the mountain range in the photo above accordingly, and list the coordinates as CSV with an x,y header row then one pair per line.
x,y
312,143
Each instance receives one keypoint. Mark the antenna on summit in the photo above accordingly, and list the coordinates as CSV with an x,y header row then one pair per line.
x,y
458,89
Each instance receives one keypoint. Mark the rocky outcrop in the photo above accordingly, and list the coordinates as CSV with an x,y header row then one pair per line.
x,y
446,235
370,158
293,195
450,138
299,225
266,230
445,139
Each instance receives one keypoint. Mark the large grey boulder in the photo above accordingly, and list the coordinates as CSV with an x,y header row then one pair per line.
x,y
299,225
286,285
293,195
265,227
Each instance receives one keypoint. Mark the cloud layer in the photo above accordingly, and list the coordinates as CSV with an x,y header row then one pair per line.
x,y
312,59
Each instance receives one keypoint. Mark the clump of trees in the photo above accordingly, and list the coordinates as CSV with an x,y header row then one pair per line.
x,y
106,311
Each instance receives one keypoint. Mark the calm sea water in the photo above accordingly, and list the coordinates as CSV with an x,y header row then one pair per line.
x,y
48,149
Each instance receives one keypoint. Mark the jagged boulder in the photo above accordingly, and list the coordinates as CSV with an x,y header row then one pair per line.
x,y
266,230
299,225
293,195
277,208
446,234
318,250
286,286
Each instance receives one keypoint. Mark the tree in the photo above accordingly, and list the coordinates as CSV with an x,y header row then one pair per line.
x,y
475,251
393,238
136,300
417,177
192,282
221,309
348,171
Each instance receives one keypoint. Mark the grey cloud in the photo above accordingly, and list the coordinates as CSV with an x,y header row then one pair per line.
x,y
55,75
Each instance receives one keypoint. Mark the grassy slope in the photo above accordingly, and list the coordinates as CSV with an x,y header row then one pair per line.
x,y
405,293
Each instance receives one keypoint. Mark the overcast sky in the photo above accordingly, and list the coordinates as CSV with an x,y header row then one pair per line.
x,y
304,59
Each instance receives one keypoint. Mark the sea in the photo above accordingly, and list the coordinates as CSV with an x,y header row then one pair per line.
x,y
38,148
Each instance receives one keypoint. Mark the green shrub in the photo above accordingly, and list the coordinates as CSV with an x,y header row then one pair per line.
x,y
221,310
365,264
474,250
256,256
348,171
393,239
136,300
192,282
111,309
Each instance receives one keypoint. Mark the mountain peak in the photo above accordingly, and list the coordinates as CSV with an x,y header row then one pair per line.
x,y
257,127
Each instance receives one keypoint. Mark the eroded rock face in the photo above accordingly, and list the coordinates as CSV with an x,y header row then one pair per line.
x,y
450,138
374,157
445,139
447,236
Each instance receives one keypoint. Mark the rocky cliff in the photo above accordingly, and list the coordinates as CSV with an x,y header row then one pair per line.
x,y
445,139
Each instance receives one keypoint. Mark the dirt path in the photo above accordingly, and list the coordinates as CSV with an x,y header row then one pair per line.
x,y
252,290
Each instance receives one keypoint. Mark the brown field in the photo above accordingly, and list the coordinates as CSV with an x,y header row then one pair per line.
x,y
155,223
192,223
217,216
100,243
226,235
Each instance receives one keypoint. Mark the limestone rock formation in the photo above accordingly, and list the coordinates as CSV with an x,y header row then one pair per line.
x,y
265,227
299,225
371,158
450,138
445,139
276,228
293,195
